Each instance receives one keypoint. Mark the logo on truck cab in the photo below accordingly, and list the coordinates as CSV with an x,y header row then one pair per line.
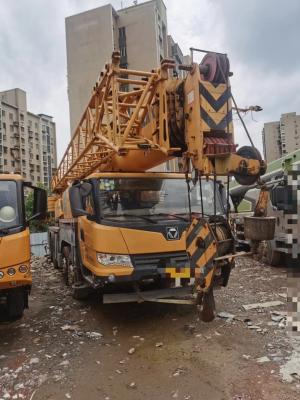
x,y
172,233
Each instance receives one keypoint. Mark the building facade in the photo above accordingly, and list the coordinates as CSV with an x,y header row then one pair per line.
x,y
281,137
139,32
27,140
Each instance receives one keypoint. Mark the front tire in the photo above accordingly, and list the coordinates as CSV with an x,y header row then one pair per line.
x,y
73,278
16,302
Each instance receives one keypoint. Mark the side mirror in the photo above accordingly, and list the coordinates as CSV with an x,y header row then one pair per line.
x,y
77,194
39,203
39,211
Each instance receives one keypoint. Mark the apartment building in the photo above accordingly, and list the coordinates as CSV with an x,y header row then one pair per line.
x,y
27,140
281,137
175,52
139,32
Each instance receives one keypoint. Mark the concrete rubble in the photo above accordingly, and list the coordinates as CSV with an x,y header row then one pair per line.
x,y
60,339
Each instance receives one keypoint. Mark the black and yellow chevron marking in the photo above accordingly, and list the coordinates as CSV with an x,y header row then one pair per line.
x,y
215,107
201,247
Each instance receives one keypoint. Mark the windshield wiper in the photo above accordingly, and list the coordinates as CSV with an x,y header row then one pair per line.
x,y
173,215
135,216
140,216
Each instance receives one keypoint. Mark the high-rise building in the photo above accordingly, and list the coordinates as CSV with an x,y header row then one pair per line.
x,y
27,140
139,32
281,137
174,51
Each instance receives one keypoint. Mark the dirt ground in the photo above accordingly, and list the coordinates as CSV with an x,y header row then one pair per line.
x,y
65,349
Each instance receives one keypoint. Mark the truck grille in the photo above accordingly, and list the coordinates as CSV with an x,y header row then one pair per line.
x,y
159,260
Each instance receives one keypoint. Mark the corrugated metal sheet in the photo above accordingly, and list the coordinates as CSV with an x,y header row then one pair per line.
x,y
38,243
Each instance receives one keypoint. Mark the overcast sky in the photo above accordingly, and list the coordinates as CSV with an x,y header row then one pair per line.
x,y
261,38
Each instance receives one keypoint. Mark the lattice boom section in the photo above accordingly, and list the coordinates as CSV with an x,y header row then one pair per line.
x,y
112,122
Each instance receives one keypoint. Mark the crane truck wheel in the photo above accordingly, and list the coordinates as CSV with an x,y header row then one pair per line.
x,y
66,264
79,289
251,153
16,300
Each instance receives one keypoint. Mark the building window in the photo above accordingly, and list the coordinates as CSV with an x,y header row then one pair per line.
x,y
37,157
122,47
22,117
11,116
3,113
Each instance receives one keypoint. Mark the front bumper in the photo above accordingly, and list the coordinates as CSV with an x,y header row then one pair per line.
x,y
16,280
179,295
157,266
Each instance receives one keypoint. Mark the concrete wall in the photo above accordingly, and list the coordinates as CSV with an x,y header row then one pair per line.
x,y
271,136
93,35
290,132
146,36
90,43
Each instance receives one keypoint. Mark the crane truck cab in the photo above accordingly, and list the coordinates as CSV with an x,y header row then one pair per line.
x,y
128,231
15,274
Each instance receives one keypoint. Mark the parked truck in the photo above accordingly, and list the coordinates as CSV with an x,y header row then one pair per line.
x,y
135,234
281,181
15,273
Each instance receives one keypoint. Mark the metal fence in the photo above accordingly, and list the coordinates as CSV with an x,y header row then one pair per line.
x,y
38,243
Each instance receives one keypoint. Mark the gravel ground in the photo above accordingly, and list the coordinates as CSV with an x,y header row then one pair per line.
x,y
65,349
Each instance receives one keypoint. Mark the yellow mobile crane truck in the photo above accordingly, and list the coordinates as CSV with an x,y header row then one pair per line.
x,y
139,235
15,275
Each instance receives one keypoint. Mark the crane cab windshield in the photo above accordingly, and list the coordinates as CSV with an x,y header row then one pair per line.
x,y
134,197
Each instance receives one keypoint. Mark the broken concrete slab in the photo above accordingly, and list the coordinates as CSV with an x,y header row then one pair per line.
x,y
274,303
225,315
262,360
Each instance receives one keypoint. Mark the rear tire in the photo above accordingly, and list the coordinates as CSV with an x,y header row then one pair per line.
x,y
16,302
80,293
73,277
66,264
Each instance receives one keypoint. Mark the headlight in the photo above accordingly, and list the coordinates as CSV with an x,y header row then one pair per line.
x,y
11,271
1,274
114,259
23,269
